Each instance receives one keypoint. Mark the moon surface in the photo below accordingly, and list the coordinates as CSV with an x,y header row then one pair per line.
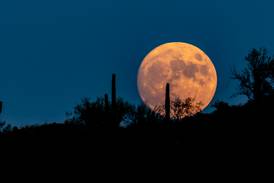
x,y
187,68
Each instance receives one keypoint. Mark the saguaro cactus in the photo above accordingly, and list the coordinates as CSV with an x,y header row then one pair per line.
x,y
167,102
113,91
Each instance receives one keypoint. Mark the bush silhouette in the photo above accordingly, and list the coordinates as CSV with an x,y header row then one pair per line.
x,y
180,109
97,114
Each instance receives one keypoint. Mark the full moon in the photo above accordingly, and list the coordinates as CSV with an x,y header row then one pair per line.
x,y
187,68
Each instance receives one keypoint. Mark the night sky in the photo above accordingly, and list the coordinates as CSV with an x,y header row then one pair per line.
x,y
55,52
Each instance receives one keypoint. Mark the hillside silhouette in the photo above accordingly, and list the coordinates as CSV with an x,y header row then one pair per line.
x,y
112,123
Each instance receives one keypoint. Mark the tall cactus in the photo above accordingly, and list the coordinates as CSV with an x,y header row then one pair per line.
x,y
167,102
113,91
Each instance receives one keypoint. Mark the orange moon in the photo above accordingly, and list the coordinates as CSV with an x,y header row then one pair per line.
x,y
187,68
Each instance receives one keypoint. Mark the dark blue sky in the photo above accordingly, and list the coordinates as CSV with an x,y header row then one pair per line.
x,y
55,52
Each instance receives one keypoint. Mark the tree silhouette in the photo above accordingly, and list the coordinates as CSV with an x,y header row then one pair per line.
x,y
90,113
97,114
185,108
255,80
180,109
144,117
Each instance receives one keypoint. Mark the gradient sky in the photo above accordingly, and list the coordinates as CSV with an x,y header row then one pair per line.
x,y
55,52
